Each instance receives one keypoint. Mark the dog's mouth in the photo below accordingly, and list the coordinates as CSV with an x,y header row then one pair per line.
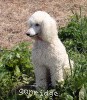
x,y
31,35
36,36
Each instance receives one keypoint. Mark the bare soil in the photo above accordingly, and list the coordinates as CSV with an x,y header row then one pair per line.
x,y
14,15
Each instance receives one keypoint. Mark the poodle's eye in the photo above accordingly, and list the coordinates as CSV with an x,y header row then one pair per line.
x,y
36,24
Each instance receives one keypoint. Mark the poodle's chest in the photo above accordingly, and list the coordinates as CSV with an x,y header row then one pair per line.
x,y
42,50
43,46
44,53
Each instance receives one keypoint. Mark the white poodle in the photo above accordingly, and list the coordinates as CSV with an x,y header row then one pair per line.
x,y
49,55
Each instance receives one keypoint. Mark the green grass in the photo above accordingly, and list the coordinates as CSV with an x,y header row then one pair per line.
x,y
74,35
16,68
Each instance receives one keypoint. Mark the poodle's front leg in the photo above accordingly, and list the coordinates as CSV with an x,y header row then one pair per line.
x,y
56,75
40,75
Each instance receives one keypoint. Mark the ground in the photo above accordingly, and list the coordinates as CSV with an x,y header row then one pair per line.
x,y
14,15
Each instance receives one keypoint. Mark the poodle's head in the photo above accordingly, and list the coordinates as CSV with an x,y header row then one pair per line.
x,y
42,26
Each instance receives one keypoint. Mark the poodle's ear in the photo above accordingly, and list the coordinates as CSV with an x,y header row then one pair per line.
x,y
49,28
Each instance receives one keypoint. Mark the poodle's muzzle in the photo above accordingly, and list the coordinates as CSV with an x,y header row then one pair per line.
x,y
34,30
31,32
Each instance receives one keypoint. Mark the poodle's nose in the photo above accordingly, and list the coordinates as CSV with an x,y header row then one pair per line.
x,y
27,33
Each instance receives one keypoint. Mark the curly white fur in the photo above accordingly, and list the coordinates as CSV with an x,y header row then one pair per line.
x,y
48,52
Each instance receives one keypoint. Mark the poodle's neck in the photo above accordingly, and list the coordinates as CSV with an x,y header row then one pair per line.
x,y
49,41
